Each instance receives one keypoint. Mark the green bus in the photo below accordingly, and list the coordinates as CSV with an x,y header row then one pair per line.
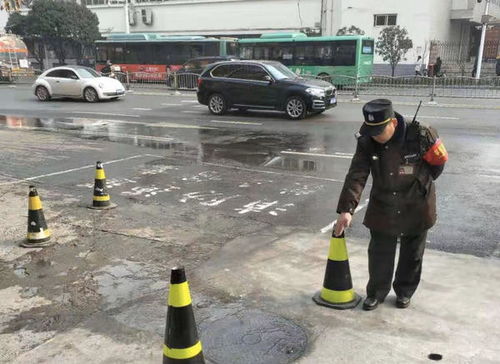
x,y
335,59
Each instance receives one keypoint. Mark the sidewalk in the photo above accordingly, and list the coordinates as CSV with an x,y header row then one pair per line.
x,y
454,313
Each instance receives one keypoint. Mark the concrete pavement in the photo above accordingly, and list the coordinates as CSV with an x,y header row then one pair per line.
x,y
241,201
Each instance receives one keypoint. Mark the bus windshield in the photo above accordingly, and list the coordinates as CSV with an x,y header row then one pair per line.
x,y
280,72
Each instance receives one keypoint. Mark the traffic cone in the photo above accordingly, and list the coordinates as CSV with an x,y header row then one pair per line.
x,y
337,291
181,336
101,199
38,232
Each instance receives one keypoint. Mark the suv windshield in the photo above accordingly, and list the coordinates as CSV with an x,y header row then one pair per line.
x,y
87,73
280,71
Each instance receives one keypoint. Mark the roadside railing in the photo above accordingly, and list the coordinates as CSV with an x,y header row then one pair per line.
x,y
416,86
411,86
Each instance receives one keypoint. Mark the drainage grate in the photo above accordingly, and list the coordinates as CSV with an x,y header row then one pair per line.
x,y
253,337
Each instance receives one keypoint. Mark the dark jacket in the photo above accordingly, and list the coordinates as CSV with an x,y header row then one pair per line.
x,y
403,196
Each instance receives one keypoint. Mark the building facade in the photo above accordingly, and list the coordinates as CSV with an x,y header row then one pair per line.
x,y
448,21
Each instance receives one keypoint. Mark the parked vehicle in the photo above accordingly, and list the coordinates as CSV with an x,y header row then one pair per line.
x,y
147,57
77,82
336,59
262,85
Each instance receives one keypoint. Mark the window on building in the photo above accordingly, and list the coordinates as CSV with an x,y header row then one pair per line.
x,y
384,19
96,2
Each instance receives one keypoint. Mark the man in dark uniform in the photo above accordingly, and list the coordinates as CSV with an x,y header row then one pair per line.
x,y
404,158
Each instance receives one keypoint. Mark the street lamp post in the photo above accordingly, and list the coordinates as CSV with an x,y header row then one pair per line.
x,y
484,20
127,21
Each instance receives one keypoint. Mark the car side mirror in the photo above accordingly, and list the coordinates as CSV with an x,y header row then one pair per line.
x,y
268,79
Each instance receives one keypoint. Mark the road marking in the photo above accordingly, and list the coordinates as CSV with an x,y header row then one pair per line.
x,y
432,117
171,104
199,106
336,155
192,112
189,101
106,113
332,224
142,109
270,172
73,169
234,122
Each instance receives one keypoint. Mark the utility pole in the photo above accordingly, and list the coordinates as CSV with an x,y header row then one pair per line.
x,y
484,20
127,21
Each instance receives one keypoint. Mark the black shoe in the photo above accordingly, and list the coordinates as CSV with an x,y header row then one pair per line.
x,y
371,303
402,302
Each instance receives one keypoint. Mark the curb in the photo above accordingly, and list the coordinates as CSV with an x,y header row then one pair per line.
x,y
429,104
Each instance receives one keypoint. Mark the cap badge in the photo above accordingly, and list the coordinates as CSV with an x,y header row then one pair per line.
x,y
370,117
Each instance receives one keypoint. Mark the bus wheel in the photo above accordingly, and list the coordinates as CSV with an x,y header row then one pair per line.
x,y
325,77
42,93
217,104
295,108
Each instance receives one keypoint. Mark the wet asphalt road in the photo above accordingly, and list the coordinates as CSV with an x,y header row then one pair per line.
x,y
255,167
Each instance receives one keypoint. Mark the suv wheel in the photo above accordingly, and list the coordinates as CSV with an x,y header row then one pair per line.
x,y
42,93
217,104
295,108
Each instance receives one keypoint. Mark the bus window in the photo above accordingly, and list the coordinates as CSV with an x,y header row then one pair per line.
x,y
102,53
367,47
262,53
344,53
246,52
282,52
211,49
304,55
323,54
231,49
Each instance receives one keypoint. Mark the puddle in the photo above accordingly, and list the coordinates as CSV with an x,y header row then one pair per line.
x,y
217,145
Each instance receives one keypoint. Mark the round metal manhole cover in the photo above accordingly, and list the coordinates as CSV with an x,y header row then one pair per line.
x,y
253,337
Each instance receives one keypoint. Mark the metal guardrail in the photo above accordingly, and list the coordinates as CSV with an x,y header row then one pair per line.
x,y
417,86
411,86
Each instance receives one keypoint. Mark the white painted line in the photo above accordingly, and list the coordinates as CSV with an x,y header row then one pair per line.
x,y
432,117
270,172
192,112
199,106
189,101
332,224
106,113
171,104
73,169
234,122
142,108
343,156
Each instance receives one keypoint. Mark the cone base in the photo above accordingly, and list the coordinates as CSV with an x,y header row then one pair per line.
x,y
40,243
109,207
198,359
337,306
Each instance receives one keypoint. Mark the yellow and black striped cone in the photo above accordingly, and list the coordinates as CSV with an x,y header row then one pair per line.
x,y
38,232
101,199
337,291
181,336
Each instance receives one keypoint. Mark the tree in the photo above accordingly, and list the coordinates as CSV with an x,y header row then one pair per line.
x,y
352,30
393,44
58,25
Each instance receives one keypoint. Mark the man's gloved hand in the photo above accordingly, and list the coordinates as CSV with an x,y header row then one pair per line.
x,y
343,222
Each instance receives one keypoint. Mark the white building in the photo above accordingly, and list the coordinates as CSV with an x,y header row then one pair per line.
x,y
425,20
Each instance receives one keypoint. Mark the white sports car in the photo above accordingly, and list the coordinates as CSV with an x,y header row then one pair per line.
x,y
76,82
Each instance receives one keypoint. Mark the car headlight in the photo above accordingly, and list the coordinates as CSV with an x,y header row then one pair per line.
x,y
318,92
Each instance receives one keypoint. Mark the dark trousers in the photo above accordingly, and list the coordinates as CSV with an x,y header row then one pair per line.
x,y
381,254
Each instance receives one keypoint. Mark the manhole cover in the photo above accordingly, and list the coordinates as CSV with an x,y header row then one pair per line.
x,y
253,337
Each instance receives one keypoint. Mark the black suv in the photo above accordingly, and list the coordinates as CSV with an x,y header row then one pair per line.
x,y
262,85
